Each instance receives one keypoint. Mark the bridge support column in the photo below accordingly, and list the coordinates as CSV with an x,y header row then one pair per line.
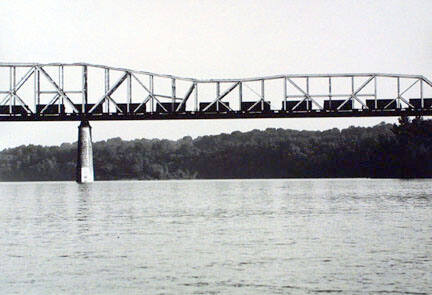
x,y
84,172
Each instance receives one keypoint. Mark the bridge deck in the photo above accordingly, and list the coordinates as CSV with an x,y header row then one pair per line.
x,y
225,115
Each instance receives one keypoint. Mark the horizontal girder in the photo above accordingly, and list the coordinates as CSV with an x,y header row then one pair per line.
x,y
249,79
228,115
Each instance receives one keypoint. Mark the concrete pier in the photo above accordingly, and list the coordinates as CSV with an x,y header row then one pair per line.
x,y
84,173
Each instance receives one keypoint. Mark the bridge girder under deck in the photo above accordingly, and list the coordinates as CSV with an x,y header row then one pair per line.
x,y
229,115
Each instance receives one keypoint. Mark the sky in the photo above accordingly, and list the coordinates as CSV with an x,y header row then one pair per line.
x,y
213,39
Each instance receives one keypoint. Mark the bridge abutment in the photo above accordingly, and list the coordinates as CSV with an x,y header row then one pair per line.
x,y
84,172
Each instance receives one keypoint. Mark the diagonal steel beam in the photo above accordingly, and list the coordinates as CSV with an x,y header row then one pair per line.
x,y
299,103
427,81
307,96
403,92
409,87
52,101
23,104
24,79
142,103
254,92
147,99
188,93
401,98
400,95
222,95
19,85
110,99
5,100
150,96
115,103
354,94
225,105
257,94
387,105
60,91
142,85
256,103
107,94
161,105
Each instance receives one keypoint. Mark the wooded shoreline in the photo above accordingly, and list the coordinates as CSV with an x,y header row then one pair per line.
x,y
401,150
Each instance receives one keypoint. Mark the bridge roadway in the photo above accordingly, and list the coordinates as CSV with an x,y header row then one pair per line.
x,y
87,92
221,115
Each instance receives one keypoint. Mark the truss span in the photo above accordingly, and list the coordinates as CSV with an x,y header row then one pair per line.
x,y
81,91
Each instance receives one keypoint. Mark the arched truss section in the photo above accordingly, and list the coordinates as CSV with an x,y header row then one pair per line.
x,y
78,91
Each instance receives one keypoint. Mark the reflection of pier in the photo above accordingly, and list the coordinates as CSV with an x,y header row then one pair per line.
x,y
85,92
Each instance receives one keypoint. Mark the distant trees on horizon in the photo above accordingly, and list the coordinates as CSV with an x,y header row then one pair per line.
x,y
401,150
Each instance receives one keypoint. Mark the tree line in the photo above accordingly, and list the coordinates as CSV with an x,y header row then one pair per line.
x,y
402,150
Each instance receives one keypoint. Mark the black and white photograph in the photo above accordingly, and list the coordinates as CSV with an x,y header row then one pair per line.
x,y
216,147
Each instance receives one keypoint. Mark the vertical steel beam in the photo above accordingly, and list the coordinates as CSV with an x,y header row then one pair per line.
x,y
421,94
376,92
285,93
84,89
151,80
240,95
60,77
36,87
352,88
129,92
196,97
12,83
107,87
217,95
330,90
398,93
61,85
173,93
308,100
262,95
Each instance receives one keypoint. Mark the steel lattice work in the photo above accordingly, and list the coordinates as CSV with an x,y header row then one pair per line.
x,y
80,91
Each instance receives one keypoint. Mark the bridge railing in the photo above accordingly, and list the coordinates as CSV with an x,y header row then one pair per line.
x,y
80,89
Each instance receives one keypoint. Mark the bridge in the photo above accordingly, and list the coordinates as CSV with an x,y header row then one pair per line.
x,y
88,92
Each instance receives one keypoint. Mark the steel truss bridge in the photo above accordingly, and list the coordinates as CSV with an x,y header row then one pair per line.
x,y
85,92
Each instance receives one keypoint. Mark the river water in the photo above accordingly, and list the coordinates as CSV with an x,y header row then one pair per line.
x,y
351,236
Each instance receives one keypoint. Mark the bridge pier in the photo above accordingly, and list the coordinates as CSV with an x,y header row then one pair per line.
x,y
84,172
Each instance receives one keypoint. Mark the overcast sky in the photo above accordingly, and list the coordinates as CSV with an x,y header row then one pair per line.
x,y
213,39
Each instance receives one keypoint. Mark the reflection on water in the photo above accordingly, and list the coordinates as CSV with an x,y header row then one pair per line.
x,y
217,237
83,211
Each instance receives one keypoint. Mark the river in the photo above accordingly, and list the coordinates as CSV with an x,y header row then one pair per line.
x,y
345,236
